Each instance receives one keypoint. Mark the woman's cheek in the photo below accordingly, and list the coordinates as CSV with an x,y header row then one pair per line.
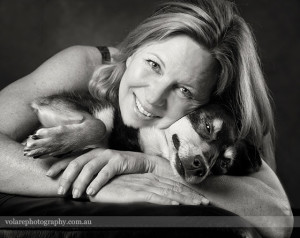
x,y
138,75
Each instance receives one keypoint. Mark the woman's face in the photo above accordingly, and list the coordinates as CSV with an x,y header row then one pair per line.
x,y
164,81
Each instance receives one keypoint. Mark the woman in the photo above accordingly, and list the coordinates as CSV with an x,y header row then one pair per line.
x,y
215,55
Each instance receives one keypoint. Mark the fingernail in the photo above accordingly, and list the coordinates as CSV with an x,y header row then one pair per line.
x,y
75,193
205,201
174,203
61,190
90,191
49,173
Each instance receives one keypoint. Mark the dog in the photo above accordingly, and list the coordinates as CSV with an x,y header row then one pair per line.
x,y
201,143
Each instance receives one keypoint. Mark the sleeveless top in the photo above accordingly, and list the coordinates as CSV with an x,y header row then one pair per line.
x,y
105,53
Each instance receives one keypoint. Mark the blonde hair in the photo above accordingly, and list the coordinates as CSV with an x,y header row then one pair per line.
x,y
217,26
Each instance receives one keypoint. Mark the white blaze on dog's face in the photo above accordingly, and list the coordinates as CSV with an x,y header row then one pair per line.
x,y
190,154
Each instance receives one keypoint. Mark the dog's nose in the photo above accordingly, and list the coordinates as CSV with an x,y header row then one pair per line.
x,y
197,161
198,166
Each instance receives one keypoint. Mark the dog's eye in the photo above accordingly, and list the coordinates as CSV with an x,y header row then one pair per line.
x,y
208,128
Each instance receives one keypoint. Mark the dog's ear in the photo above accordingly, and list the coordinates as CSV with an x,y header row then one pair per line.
x,y
246,160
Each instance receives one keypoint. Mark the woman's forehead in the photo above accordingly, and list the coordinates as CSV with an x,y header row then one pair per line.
x,y
181,57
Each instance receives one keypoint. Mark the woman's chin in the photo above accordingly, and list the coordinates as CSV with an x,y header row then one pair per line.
x,y
138,121
135,122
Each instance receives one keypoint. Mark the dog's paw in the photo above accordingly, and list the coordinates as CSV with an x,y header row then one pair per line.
x,y
50,142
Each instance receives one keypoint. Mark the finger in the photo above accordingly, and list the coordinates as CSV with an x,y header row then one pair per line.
x,y
85,176
171,189
56,168
151,197
175,196
117,165
71,172
107,172
186,194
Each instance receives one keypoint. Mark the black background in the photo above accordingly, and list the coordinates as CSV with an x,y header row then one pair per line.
x,y
31,31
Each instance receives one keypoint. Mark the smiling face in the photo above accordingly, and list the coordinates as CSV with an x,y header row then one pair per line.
x,y
164,81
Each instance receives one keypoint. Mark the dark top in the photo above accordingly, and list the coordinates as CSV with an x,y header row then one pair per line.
x,y
105,53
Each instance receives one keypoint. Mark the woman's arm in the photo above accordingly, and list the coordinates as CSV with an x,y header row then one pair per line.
x,y
69,70
100,168
259,198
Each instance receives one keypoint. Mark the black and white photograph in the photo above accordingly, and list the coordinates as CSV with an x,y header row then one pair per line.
x,y
161,118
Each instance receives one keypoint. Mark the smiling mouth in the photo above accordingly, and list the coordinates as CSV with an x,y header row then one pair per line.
x,y
142,110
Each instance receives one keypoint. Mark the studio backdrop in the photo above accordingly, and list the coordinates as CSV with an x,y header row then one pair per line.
x,y
34,30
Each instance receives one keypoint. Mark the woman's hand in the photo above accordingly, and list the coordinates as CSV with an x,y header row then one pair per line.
x,y
102,163
106,164
147,187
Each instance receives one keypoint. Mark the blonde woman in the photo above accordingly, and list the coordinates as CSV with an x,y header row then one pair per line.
x,y
178,59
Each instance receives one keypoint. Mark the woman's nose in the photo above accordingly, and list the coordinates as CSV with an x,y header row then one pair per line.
x,y
157,94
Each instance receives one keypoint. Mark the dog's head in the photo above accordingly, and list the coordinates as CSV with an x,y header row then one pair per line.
x,y
205,141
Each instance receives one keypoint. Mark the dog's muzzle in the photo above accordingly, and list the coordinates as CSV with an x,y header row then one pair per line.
x,y
193,168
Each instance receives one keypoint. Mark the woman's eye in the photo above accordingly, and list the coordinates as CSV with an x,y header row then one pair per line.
x,y
208,128
155,66
187,93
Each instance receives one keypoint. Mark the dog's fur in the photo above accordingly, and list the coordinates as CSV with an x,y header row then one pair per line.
x,y
201,143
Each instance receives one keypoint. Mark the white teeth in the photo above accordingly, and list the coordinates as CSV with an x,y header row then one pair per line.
x,y
141,109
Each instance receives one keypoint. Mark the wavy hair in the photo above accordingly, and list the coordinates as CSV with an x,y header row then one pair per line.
x,y
217,26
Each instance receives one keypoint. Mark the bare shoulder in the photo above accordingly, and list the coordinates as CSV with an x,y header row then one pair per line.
x,y
68,70
87,56
71,68
268,177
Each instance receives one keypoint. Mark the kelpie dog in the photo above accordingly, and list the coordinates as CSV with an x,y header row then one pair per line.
x,y
203,142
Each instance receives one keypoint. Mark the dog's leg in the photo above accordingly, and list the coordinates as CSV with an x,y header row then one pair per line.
x,y
66,128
